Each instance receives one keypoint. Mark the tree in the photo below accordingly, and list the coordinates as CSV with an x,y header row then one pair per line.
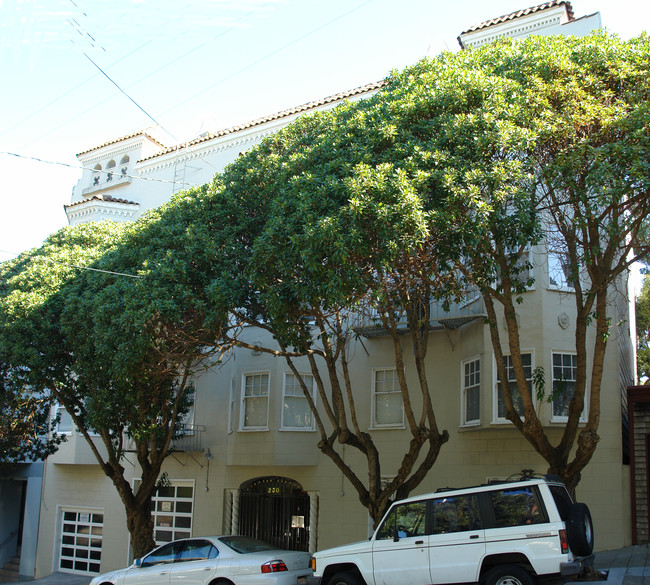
x,y
542,142
25,424
643,332
317,226
117,343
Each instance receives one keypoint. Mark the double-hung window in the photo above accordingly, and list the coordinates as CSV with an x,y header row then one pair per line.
x,y
387,404
255,402
296,413
527,362
471,391
565,367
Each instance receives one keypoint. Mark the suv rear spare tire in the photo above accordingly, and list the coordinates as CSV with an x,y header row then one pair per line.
x,y
580,530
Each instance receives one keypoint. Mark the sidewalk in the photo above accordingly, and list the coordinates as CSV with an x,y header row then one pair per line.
x,y
626,566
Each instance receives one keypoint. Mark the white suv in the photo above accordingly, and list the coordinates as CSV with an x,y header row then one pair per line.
x,y
500,534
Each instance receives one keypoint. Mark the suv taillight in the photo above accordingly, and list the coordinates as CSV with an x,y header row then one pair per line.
x,y
564,542
274,567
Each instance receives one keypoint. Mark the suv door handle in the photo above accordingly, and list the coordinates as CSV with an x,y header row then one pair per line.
x,y
419,542
474,536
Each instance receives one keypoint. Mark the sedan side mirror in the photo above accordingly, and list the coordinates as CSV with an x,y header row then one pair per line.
x,y
138,563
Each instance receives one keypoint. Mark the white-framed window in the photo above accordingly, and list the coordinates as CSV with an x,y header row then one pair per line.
x,y
80,547
296,413
231,407
171,511
387,405
471,392
65,426
500,406
255,402
559,270
565,368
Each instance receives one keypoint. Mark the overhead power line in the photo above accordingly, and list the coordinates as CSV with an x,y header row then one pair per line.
x,y
81,167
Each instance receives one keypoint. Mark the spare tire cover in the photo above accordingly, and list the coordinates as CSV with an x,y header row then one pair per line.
x,y
580,530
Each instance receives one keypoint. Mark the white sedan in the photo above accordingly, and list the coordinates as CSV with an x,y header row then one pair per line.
x,y
214,560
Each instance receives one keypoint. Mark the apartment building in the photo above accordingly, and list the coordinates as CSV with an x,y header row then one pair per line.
x,y
249,461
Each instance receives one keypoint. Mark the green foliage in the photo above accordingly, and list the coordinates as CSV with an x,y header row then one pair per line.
x,y
643,332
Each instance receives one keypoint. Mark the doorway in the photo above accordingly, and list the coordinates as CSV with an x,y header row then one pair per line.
x,y
275,510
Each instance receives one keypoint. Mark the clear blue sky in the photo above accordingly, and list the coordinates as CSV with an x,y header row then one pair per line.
x,y
196,65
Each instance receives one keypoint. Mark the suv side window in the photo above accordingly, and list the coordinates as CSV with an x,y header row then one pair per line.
x,y
455,514
517,506
407,519
562,500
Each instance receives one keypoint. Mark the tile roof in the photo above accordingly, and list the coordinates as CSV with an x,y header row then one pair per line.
x,y
523,12
133,135
278,116
105,198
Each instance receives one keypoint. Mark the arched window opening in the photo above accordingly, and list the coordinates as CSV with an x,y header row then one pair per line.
x,y
109,170
96,174
124,165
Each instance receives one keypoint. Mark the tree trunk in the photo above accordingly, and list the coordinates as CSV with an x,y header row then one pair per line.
x,y
140,525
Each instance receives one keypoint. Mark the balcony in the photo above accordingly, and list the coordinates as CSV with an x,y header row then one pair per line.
x,y
190,441
465,311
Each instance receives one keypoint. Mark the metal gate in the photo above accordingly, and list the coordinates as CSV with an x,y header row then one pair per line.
x,y
275,510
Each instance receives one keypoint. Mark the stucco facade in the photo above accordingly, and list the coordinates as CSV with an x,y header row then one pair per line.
x,y
228,471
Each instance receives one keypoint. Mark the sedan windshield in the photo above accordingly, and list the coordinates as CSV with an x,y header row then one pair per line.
x,y
245,544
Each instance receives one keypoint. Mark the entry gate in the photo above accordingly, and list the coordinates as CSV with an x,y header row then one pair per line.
x,y
275,510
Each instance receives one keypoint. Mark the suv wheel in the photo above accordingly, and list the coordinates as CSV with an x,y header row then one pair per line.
x,y
344,579
508,575
580,530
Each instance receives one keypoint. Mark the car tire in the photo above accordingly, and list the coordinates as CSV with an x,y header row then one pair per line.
x,y
508,575
345,578
580,530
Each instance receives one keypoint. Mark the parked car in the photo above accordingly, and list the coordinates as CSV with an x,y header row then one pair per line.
x,y
501,534
214,560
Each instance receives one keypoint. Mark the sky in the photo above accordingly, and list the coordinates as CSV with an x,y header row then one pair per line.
x,y
77,73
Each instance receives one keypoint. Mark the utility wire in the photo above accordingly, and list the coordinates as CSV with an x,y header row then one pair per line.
x,y
81,167
113,273
269,55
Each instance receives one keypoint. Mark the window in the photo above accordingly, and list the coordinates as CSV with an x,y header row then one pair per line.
x,y
65,424
296,413
527,361
255,402
387,406
171,511
109,170
96,174
198,550
455,514
517,507
124,166
471,391
164,555
406,519
81,541
565,367
559,270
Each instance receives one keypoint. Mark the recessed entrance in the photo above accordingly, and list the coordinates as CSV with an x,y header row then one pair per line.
x,y
275,510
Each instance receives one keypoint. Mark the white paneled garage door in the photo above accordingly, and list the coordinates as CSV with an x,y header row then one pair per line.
x,y
81,541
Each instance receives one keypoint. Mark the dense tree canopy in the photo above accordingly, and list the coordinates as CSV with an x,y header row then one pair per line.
x,y
117,343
